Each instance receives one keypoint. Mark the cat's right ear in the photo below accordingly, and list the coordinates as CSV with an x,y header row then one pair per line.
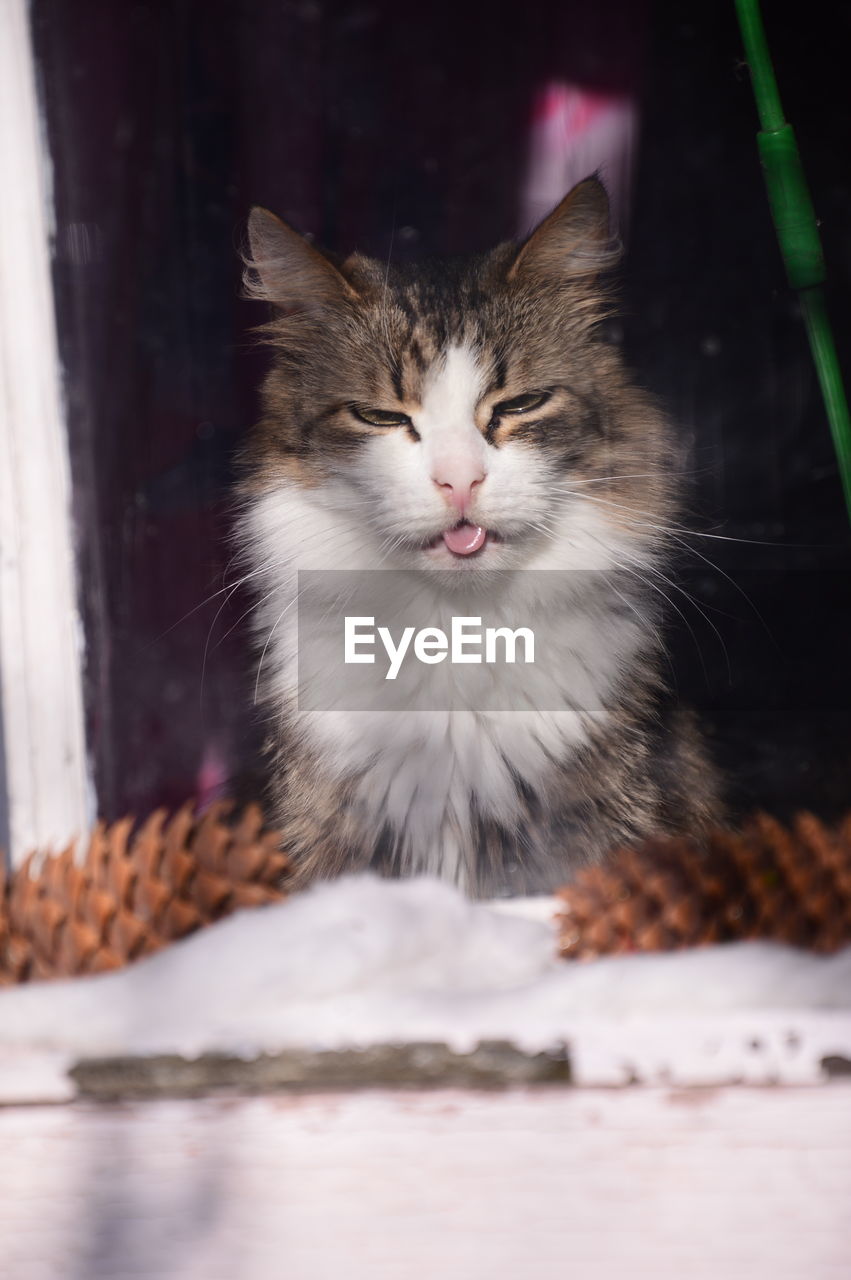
x,y
283,268
573,242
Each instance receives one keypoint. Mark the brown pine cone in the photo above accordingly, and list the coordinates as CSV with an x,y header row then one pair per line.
x,y
767,881
130,895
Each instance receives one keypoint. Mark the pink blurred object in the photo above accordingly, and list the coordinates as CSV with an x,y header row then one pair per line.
x,y
575,132
212,778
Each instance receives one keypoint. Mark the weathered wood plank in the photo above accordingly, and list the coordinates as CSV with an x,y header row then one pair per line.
x,y
744,1184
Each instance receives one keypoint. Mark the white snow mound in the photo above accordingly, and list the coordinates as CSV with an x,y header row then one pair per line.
x,y
363,960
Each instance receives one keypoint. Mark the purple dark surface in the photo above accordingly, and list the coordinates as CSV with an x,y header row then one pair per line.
x,y
374,125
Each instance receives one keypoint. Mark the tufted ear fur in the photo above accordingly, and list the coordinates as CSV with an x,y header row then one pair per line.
x,y
285,269
573,241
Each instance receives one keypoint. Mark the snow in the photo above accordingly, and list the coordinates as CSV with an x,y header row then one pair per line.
x,y
363,961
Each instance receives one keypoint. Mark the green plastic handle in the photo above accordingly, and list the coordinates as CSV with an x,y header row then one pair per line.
x,y
792,208
797,230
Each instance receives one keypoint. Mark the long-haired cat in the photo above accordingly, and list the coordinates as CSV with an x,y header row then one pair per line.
x,y
454,419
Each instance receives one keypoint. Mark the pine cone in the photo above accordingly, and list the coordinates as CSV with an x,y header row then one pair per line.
x,y
792,886
131,896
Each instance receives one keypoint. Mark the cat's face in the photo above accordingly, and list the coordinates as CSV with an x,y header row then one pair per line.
x,y
453,417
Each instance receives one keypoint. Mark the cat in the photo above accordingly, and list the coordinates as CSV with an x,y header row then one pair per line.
x,y
446,421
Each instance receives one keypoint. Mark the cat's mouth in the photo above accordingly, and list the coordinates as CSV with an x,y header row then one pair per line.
x,y
463,539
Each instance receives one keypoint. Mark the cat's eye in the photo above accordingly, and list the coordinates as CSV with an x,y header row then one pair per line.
x,y
522,404
380,417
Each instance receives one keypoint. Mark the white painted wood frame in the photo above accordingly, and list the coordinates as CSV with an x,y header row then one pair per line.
x,y
41,639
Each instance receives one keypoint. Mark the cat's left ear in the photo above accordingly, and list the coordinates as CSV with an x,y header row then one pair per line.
x,y
283,268
573,241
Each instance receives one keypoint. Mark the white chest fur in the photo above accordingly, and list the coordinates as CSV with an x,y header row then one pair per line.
x,y
427,772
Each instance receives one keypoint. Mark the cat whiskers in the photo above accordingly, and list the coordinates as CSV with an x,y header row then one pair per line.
x,y
228,591
385,315
344,539
631,475
228,588
679,535
681,529
642,570
275,626
231,591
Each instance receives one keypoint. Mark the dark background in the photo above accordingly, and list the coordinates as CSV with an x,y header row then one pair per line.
x,y
372,123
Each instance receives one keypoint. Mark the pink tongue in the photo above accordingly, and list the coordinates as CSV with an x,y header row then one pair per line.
x,y
464,539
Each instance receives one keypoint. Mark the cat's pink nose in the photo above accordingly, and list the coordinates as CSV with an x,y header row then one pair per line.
x,y
456,483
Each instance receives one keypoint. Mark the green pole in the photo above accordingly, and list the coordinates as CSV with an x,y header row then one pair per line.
x,y
797,230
